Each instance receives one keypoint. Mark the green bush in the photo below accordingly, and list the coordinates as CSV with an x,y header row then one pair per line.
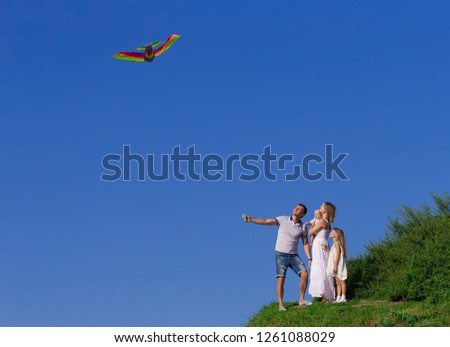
x,y
412,262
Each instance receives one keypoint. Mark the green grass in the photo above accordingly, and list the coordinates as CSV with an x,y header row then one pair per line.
x,y
355,313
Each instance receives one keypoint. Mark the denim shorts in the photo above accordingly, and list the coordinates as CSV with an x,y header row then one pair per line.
x,y
285,260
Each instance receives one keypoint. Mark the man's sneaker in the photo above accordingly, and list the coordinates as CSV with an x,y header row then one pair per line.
x,y
304,303
282,308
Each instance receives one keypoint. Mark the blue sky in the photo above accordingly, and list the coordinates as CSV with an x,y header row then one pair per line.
x,y
372,78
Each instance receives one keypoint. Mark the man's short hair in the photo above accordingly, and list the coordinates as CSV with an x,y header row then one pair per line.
x,y
304,208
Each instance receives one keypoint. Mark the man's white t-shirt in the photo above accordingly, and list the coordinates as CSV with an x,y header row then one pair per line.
x,y
289,233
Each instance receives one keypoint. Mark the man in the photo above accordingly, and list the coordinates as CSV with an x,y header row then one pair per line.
x,y
290,231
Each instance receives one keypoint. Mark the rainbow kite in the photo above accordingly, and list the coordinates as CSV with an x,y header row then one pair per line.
x,y
150,51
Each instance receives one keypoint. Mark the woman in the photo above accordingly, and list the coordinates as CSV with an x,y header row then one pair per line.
x,y
321,286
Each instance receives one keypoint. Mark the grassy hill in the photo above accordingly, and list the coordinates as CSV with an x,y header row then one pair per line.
x,y
355,313
404,280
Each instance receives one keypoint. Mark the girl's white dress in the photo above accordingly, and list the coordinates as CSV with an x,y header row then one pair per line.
x,y
320,284
341,268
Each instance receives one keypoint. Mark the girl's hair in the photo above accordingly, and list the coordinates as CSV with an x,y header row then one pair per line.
x,y
341,239
331,211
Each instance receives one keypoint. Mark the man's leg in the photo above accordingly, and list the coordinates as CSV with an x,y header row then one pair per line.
x,y
300,269
282,263
280,290
303,284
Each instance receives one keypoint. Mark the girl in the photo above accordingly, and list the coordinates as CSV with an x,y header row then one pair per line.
x,y
336,266
321,286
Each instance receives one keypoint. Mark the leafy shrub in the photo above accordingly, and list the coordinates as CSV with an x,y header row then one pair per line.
x,y
412,262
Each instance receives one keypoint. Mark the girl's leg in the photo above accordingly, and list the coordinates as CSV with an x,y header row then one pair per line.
x,y
338,287
344,288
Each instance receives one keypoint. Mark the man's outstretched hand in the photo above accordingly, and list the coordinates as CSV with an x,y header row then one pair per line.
x,y
246,218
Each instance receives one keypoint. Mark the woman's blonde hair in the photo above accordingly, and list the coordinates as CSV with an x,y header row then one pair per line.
x,y
331,211
341,239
